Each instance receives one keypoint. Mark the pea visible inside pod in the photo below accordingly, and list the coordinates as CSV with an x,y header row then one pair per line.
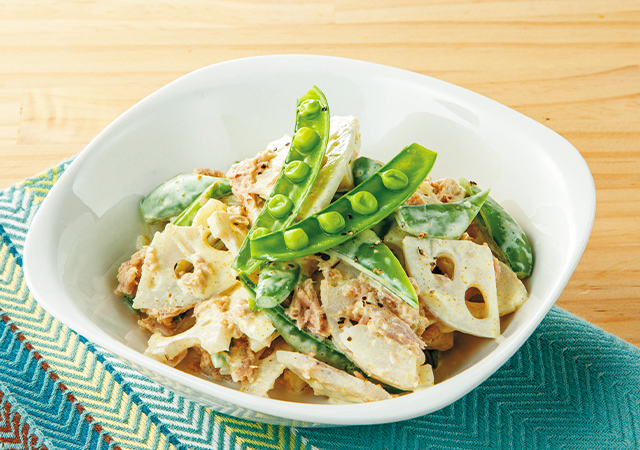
x,y
394,180
309,144
306,140
296,239
257,232
331,222
309,109
297,171
364,203
279,206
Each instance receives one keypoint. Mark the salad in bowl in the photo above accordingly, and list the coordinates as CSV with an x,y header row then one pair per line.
x,y
310,268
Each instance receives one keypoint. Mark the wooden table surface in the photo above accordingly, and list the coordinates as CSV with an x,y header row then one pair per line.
x,y
68,68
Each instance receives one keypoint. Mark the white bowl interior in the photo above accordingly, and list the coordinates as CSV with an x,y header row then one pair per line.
x,y
89,222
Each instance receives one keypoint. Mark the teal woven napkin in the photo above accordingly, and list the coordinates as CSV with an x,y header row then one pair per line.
x,y
571,386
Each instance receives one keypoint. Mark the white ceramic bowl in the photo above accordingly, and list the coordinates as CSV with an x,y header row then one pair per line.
x,y
214,116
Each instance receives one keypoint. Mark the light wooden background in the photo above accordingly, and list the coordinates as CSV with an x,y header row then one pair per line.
x,y
68,68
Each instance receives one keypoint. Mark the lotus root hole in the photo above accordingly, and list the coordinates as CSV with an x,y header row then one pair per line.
x,y
476,304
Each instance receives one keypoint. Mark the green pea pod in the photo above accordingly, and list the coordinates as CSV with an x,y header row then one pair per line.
x,y
360,209
383,227
277,281
218,188
432,357
440,220
251,287
363,168
306,343
300,340
367,253
303,342
295,181
505,237
220,360
128,300
336,168
172,197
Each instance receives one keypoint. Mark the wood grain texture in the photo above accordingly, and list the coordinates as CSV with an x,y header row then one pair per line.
x,y
68,68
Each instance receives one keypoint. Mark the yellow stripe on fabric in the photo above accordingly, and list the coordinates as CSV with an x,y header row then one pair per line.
x,y
292,442
48,177
263,437
92,385
40,185
13,278
38,194
77,367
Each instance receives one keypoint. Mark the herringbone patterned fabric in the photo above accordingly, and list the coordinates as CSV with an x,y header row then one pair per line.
x,y
571,386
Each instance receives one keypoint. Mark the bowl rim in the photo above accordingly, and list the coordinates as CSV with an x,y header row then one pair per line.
x,y
396,409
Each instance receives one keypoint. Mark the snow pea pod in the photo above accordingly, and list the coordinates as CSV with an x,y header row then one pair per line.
x,y
505,237
356,207
432,357
128,300
368,253
295,181
277,281
174,195
306,343
440,220
219,360
300,340
383,227
251,287
218,188
363,168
